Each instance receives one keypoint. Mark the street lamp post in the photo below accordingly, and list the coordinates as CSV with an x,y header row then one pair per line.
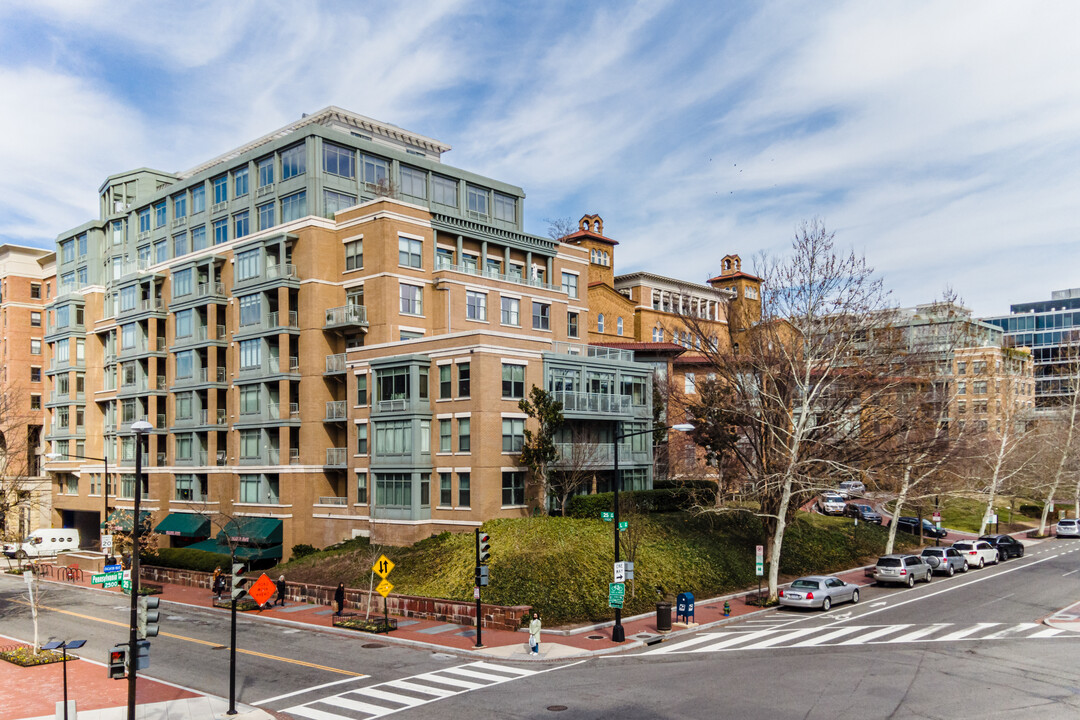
x,y
617,632
140,428
105,489
65,645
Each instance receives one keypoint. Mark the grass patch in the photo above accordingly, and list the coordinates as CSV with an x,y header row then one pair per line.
x,y
562,566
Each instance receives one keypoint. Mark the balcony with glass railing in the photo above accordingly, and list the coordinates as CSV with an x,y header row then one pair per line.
x,y
346,316
476,271
598,455
337,457
592,351
335,364
282,271
594,403
336,411
210,289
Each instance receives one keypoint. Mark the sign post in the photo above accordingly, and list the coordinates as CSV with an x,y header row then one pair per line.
x,y
382,567
620,572
937,524
607,516
759,566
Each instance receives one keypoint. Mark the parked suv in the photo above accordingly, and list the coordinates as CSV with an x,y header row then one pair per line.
x,y
1007,546
978,553
830,504
863,512
1068,527
905,569
851,489
944,560
911,525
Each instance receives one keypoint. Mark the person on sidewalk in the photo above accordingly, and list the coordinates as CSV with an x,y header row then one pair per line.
x,y
280,592
339,599
215,583
534,634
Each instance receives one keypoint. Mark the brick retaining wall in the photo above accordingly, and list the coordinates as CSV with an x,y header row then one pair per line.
x,y
411,606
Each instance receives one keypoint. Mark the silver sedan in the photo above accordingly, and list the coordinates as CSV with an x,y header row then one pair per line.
x,y
818,591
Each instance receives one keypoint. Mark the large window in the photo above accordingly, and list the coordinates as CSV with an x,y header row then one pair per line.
x,y
446,489
572,324
513,434
240,182
338,160
511,311
478,199
128,296
393,384
181,282
570,284
361,439
250,309
144,220
411,299
410,252
266,172
505,207
354,255
376,171
393,437
250,442
335,201
464,439
241,224
184,406
293,161
250,354
221,231
464,494
221,189
159,214
475,305
445,391
413,182
198,199
266,215
247,264
444,190
464,375
541,316
198,237
179,206
445,436
513,381
127,336
185,364
180,244
184,323
513,489
294,207
249,399
161,251
393,490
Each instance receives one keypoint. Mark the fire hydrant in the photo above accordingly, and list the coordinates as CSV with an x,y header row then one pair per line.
x,y
727,609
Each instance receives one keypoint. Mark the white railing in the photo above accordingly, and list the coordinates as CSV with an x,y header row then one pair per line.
x,y
335,410
594,402
336,457
335,363
444,264
346,315
328,500
214,289
592,351
392,405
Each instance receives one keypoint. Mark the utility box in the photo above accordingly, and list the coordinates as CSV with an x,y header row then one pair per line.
x,y
684,607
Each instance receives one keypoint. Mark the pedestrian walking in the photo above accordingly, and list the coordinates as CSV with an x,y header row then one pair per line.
x,y
534,634
216,583
339,599
280,592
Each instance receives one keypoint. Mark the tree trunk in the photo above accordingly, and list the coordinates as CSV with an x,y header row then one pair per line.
x,y
900,499
995,478
778,539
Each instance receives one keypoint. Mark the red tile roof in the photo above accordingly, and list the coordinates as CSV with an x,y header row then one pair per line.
x,y
587,234
739,274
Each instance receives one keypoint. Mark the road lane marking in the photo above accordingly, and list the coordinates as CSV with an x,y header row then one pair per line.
x,y
828,636
966,631
775,640
704,637
1070,572
920,633
305,690
887,630
1050,632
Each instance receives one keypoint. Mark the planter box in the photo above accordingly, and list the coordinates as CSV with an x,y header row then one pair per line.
x,y
361,624
242,605
23,656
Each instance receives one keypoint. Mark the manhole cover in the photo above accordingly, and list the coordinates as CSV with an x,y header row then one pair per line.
x,y
643,637
372,646
556,708
597,637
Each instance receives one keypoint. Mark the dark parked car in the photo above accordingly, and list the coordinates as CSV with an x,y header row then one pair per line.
x,y
863,512
1006,546
911,525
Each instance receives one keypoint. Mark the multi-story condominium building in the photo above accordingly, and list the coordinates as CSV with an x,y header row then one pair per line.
x,y
330,331
1051,328
27,279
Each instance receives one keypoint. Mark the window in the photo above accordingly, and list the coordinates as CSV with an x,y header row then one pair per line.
x,y
354,255
180,244
294,207
464,439
600,323
618,326
463,482
249,488
35,290
393,490
183,323
493,267
444,258
445,436
361,439
505,207
361,389
444,190
468,262
361,487
411,299
35,374
221,189
475,305
198,199
409,252
35,318
393,437
159,214
249,399
513,434
249,443
247,264
240,182
250,353
511,311
184,406
185,366
446,491
35,402
477,199
463,374
161,251
67,248
513,489
221,231
198,237
128,296
266,215
570,284
413,182
572,324
335,201
241,225
689,386
961,388
541,316
144,220
376,172
979,387
293,162
266,172
338,160
513,381
61,351
81,240
445,391
250,309
80,274
181,283
35,346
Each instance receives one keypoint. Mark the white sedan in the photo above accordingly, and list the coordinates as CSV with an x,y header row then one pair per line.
x,y
978,553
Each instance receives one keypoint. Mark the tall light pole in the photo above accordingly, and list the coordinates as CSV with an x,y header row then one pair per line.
x,y
140,428
105,489
617,632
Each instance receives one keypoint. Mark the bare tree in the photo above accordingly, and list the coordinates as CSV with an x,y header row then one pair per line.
x,y
558,228
20,491
1065,424
576,467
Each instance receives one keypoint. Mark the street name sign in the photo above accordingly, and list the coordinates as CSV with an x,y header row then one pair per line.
x,y
112,568
382,567
616,594
937,517
607,516
623,525
105,577
384,588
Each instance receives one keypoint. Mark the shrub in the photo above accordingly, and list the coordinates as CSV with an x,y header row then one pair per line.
x,y
187,559
1031,511
302,550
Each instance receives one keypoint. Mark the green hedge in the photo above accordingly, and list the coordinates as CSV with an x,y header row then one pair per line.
x,y
1031,511
185,559
695,484
643,501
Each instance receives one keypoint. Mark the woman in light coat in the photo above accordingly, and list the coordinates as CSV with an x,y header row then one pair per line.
x,y
534,634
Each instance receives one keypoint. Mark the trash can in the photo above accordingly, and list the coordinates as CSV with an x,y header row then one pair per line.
x,y
663,617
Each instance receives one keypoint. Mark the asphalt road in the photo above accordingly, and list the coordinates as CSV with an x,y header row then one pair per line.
x,y
971,646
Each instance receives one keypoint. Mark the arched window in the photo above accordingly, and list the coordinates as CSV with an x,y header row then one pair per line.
x,y
618,326
600,322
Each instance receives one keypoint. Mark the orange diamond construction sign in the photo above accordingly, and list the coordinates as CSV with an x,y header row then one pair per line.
x,y
262,590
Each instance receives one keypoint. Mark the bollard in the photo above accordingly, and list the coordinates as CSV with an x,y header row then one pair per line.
x,y
727,609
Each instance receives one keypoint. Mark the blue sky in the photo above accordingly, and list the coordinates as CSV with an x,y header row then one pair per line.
x,y
940,139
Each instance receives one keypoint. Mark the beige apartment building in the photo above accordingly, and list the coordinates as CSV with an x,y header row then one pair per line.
x,y
330,331
27,279
994,386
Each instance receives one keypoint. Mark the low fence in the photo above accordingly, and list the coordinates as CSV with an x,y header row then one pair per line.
x,y
460,612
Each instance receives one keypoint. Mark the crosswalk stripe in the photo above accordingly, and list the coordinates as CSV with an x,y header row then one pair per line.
x,y
407,700
478,675
356,705
726,641
777,639
873,635
1049,632
500,668
452,682
827,637
426,689
965,632
679,647
1018,628
312,713
921,632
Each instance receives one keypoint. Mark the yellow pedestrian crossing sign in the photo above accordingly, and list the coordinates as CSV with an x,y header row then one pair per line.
x,y
384,588
382,568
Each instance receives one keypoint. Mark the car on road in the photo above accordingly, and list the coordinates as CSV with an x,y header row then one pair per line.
x,y
865,513
911,525
1007,546
830,504
851,489
944,560
818,591
978,553
900,568
1068,527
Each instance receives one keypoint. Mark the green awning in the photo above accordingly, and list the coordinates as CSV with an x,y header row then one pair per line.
x,y
122,518
209,546
252,531
188,525
242,553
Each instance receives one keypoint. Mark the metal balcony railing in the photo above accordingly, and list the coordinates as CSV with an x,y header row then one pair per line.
x,y
335,363
294,364
279,319
336,457
392,405
346,315
284,270
335,411
444,264
594,403
294,411
330,500
294,456
593,351
210,289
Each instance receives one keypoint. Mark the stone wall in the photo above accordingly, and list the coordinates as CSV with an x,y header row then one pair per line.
x,y
410,606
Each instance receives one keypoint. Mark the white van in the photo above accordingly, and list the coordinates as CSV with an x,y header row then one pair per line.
x,y
44,543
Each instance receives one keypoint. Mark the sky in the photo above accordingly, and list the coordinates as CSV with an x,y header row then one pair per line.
x,y
939,139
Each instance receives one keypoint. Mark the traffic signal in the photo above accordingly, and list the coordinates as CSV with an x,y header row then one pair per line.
x,y
484,552
481,575
148,616
238,581
118,662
